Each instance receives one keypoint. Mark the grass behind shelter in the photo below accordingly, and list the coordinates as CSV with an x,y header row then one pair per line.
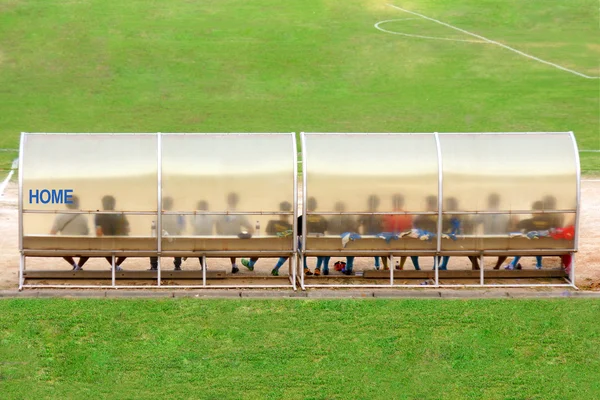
x,y
314,65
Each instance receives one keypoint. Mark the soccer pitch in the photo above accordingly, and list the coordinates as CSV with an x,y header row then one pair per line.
x,y
315,65
291,66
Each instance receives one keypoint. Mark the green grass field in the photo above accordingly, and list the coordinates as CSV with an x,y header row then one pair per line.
x,y
282,349
314,65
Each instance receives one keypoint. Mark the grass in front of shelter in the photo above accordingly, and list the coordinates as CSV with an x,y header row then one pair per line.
x,y
334,349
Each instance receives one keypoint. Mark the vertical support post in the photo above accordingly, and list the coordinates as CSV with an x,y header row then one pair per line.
x,y
113,269
436,271
440,206
21,270
159,204
481,270
295,212
203,270
304,190
294,264
578,194
301,270
158,271
391,265
20,172
577,209
572,271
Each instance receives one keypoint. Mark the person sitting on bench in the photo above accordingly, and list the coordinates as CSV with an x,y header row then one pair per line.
x,y
172,225
111,225
73,225
233,224
202,224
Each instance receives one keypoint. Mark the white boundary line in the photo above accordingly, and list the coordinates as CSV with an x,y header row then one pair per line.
x,y
10,174
419,36
5,182
497,43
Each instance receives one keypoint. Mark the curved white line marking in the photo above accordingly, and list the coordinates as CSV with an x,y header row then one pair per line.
x,y
519,52
420,36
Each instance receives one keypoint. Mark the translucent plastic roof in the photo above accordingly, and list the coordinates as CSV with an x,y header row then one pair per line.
x,y
490,186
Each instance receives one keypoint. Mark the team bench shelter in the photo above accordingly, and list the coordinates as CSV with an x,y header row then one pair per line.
x,y
425,209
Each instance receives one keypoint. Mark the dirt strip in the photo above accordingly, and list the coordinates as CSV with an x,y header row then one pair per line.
x,y
310,294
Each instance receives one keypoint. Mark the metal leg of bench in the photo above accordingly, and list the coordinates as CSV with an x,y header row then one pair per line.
x,y
301,270
113,268
436,270
391,266
158,272
572,271
481,269
294,264
21,271
203,270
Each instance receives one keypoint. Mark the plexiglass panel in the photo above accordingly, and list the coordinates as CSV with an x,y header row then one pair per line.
x,y
99,170
35,224
504,172
466,232
371,172
375,232
227,225
228,172
202,232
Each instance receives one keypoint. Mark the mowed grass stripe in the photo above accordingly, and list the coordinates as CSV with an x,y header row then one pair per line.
x,y
299,349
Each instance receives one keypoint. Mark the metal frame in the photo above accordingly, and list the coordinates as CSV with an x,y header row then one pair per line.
x,y
22,255
578,203
159,209
293,257
577,208
292,254
227,213
512,212
304,197
440,206
438,252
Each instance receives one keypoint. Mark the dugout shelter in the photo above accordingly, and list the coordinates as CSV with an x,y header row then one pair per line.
x,y
466,196
401,196
217,194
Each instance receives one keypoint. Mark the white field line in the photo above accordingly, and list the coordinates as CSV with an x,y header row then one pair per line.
x,y
589,151
5,182
497,43
419,36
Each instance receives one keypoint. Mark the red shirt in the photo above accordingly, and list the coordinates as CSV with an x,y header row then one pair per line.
x,y
397,223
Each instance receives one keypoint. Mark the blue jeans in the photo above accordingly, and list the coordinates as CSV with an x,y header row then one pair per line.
x,y
442,266
538,261
415,261
323,261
